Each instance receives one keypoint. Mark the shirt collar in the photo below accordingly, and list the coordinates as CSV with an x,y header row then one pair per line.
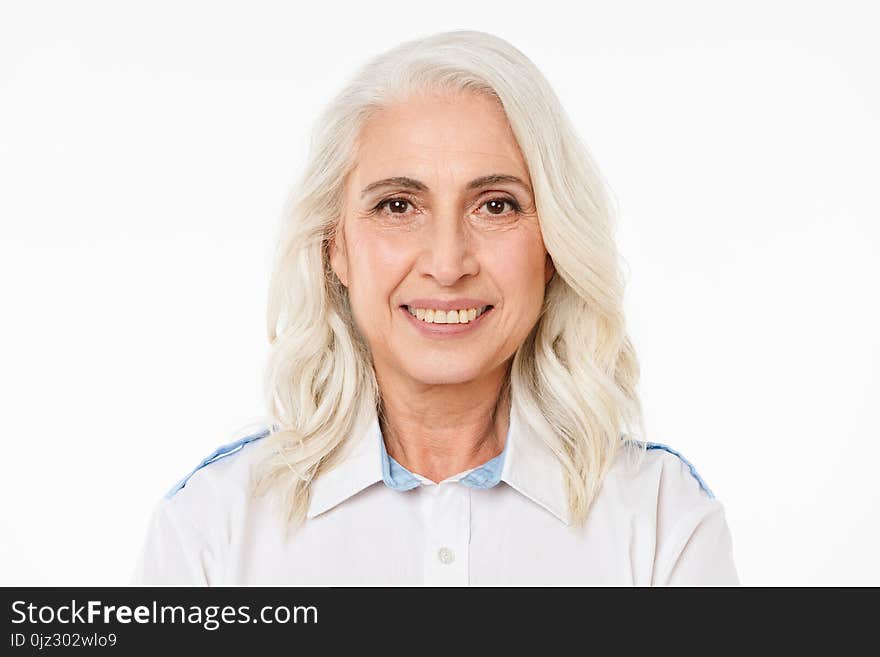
x,y
526,464
398,477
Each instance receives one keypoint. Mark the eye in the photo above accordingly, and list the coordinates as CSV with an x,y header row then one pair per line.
x,y
495,206
395,205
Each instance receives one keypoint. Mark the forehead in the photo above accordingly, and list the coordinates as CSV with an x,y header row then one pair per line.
x,y
439,133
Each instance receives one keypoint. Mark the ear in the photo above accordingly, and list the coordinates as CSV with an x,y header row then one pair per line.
x,y
338,256
549,269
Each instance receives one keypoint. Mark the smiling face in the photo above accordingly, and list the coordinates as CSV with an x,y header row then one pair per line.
x,y
439,215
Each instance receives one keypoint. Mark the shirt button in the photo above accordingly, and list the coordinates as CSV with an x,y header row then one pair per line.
x,y
445,555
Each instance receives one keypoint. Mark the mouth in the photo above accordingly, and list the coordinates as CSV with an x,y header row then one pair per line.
x,y
439,323
434,316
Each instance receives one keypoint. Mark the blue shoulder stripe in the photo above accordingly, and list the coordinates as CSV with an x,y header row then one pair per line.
x,y
690,466
216,455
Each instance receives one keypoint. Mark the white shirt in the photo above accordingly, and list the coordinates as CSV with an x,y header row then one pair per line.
x,y
657,525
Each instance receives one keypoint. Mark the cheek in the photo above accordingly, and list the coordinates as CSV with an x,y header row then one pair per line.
x,y
384,254
519,269
379,262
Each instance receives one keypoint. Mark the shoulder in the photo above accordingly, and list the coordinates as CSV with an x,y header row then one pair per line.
x,y
192,523
681,525
219,484
658,480
687,538
221,461
678,472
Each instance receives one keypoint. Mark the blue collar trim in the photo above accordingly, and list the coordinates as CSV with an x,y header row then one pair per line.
x,y
399,478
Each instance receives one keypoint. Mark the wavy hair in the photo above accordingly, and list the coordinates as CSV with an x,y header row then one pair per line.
x,y
573,380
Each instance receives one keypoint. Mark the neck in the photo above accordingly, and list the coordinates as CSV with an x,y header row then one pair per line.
x,y
439,431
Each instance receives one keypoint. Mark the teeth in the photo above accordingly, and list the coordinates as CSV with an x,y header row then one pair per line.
x,y
432,316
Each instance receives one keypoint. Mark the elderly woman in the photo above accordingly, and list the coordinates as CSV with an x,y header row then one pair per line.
x,y
452,390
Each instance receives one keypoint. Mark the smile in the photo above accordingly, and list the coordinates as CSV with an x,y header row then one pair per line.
x,y
432,316
438,323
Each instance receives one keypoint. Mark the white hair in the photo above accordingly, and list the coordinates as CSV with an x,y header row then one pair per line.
x,y
572,381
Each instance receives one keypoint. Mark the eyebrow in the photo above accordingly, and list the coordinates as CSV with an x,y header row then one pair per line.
x,y
417,185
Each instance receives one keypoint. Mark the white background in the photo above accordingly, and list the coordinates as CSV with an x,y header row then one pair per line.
x,y
146,150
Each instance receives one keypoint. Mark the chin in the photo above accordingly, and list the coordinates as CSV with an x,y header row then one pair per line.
x,y
443,375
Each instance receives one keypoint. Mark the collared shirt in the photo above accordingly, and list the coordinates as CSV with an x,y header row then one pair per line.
x,y
373,522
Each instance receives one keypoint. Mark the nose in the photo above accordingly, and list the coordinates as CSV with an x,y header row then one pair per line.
x,y
448,254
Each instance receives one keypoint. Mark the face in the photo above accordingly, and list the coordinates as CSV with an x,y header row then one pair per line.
x,y
439,216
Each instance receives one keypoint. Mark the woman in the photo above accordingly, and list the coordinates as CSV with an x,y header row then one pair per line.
x,y
451,385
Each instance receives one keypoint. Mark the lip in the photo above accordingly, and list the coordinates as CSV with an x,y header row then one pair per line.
x,y
445,330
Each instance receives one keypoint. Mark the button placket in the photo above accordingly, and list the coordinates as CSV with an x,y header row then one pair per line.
x,y
447,522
